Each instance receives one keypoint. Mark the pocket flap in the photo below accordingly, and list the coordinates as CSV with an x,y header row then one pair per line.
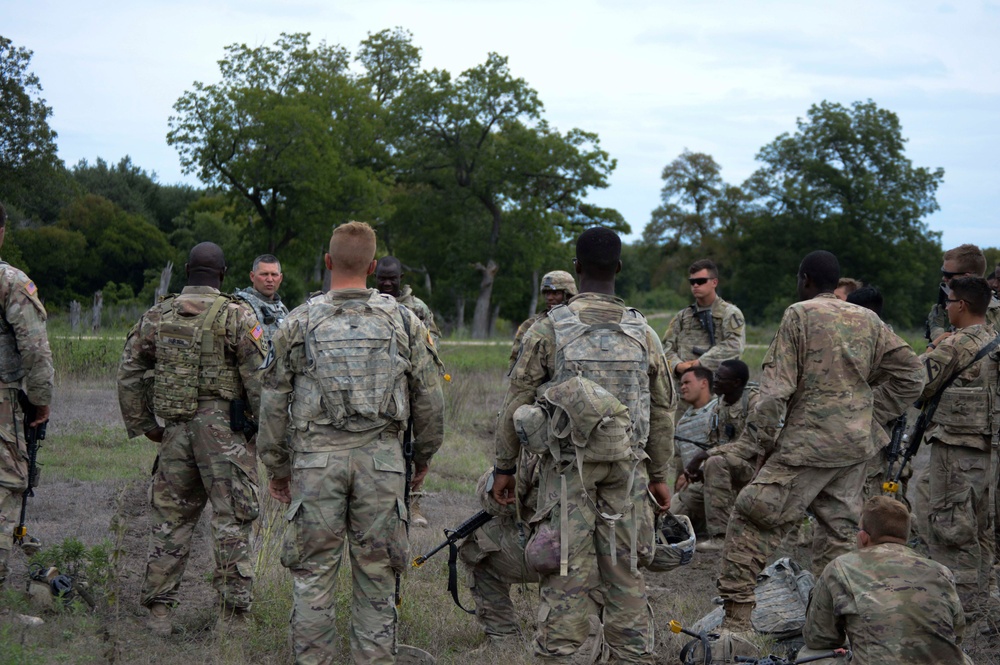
x,y
292,510
311,460
387,463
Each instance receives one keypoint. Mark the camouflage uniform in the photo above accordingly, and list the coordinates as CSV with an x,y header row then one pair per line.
x,y
938,323
420,308
686,339
731,459
346,462
557,280
817,379
565,604
895,607
269,311
962,462
200,458
25,363
692,434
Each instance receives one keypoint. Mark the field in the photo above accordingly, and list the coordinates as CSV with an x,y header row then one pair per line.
x,y
94,490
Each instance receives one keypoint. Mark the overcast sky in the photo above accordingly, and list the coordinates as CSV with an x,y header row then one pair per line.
x,y
650,77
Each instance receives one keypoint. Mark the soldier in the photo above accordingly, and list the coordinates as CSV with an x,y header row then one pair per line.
x,y
557,287
814,421
728,463
388,276
370,366
962,261
962,442
202,349
845,287
691,435
262,294
869,297
25,364
893,605
604,365
709,331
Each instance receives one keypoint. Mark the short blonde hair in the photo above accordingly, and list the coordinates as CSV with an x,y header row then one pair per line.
x,y
969,258
352,248
883,517
849,285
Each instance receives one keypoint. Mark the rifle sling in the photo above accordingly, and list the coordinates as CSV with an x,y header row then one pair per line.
x,y
453,576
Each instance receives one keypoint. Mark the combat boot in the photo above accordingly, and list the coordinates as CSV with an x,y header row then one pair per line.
x,y
158,622
737,616
710,545
232,619
416,517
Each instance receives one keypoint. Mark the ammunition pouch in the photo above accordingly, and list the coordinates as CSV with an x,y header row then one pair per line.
x,y
965,410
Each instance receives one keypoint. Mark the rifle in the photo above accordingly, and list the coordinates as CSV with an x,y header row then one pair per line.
x,y
452,536
408,460
238,420
705,318
892,454
32,435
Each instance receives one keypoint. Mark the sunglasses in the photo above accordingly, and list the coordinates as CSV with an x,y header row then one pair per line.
x,y
952,275
699,281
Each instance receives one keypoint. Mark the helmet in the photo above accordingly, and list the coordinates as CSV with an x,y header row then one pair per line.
x,y
674,543
559,280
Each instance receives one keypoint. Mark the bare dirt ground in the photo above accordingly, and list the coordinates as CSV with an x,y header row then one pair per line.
x,y
115,634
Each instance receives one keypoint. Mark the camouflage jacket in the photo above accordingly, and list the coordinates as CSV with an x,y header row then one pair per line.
x,y
938,323
895,606
693,430
519,337
686,339
950,356
817,380
536,365
138,362
420,308
287,362
269,311
24,317
730,433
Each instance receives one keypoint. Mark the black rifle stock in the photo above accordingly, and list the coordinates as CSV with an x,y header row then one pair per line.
x,y
32,435
408,460
452,536
892,455
705,317
238,420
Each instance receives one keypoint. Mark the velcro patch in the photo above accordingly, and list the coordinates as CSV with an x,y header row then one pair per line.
x,y
30,287
257,332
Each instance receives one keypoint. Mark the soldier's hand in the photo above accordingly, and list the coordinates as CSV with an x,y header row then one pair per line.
x,y
155,435
419,473
503,489
680,483
682,367
661,494
41,416
279,489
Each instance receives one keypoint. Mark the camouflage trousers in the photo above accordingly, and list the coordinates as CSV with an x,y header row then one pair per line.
x,y
773,503
495,557
566,603
708,503
199,461
13,473
343,497
961,519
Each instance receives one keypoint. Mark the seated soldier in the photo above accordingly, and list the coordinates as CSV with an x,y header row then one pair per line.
x,y
893,605
729,463
691,438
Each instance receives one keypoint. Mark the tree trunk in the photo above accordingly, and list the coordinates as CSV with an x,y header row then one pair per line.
x,y
534,295
164,287
95,316
493,319
74,316
481,317
460,315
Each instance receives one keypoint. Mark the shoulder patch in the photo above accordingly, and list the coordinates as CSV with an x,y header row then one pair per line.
x,y
30,287
257,331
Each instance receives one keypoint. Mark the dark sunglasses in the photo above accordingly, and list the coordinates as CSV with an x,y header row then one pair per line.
x,y
698,280
951,275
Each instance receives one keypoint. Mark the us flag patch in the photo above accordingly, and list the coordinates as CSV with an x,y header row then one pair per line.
x,y
257,332
31,288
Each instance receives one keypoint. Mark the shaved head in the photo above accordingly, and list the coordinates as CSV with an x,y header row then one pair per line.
x,y
206,265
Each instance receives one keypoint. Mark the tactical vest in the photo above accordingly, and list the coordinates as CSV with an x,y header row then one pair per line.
x,y
973,407
191,360
353,361
11,366
269,314
615,357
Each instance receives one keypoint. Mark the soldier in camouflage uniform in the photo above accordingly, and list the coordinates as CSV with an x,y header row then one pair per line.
x,y
200,351
893,605
814,425
345,372
25,364
262,294
963,439
728,464
557,287
692,435
962,261
592,513
709,331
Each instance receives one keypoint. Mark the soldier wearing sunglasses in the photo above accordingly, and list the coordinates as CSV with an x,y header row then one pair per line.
x,y
962,261
707,332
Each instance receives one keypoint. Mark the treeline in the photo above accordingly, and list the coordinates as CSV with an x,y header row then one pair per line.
x,y
465,181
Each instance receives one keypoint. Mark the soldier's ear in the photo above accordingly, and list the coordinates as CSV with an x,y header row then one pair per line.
x,y
619,268
327,261
371,267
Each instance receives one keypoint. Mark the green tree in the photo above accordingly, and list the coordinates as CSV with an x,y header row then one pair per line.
x,y
32,177
480,142
841,182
